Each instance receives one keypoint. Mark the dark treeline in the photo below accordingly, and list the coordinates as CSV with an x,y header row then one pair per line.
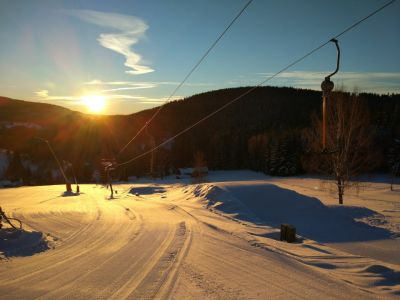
x,y
263,131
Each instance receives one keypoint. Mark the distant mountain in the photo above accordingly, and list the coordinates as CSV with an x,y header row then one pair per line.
x,y
223,139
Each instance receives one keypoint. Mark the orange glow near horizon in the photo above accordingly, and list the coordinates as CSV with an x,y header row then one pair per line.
x,y
95,103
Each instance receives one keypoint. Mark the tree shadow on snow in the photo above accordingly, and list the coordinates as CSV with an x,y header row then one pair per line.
x,y
15,242
274,205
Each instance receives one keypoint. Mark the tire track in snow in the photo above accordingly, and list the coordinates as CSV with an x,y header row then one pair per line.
x,y
238,268
128,267
150,286
71,256
53,258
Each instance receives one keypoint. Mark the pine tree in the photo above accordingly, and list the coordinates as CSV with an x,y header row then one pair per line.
x,y
16,170
394,158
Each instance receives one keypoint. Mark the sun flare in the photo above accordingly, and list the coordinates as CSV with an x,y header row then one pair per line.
x,y
95,103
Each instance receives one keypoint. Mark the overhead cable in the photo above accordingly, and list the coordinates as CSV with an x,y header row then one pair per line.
x,y
187,76
347,29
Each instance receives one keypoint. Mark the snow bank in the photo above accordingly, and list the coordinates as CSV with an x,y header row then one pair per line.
x,y
273,205
8,183
21,243
216,198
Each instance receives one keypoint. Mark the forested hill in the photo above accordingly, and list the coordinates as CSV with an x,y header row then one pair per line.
x,y
227,140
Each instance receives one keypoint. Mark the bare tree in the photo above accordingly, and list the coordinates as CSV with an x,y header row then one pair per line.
x,y
349,148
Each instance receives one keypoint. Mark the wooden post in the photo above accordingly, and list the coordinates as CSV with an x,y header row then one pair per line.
x,y
288,233
110,182
68,187
283,232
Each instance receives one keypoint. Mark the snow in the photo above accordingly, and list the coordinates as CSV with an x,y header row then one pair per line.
x,y
217,239
191,171
9,125
8,183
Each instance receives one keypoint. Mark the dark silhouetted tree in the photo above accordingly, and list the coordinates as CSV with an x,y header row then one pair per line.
x,y
394,160
200,169
16,170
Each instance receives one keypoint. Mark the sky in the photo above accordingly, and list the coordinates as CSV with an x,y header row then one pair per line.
x,y
133,54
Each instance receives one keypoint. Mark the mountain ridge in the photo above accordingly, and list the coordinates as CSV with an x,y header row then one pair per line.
x,y
223,138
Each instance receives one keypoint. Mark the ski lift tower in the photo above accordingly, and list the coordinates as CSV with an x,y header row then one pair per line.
x,y
152,143
327,86
67,182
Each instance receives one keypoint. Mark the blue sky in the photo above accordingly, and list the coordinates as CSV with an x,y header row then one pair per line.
x,y
136,52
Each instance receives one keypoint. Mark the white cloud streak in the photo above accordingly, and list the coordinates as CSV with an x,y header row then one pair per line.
x,y
127,88
131,30
145,83
43,96
159,101
124,97
42,93
116,86
374,82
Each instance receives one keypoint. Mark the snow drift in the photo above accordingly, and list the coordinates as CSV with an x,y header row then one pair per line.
x,y
272,205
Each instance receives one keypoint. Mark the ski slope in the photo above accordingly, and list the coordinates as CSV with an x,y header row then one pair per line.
x,y
173,239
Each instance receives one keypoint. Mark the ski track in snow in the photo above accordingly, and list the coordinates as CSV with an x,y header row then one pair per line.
x,y
170,246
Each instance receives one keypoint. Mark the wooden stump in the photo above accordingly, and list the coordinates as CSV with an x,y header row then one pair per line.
x,y
288,233
283,232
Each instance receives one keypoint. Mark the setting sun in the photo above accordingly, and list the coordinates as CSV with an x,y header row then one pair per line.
x,y
95,103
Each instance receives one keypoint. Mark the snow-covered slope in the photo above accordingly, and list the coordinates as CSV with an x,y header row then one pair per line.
x,y
177,240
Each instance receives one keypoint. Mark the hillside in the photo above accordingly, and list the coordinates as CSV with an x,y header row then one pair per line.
x,y
223,139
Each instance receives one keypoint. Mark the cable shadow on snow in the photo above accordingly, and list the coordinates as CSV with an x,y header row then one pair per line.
x,y
273,205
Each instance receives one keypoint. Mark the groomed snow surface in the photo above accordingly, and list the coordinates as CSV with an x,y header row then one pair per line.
x,y
218,239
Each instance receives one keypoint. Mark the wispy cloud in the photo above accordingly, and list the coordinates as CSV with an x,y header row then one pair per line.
x,y
127,88
121,85
99,82
375,82
42,93
145,84
159,101
130,30
125,97
44,96
118,86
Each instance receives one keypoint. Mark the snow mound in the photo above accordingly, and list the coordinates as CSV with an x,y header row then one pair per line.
x,y
21,243
384,276
271,205
219,199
